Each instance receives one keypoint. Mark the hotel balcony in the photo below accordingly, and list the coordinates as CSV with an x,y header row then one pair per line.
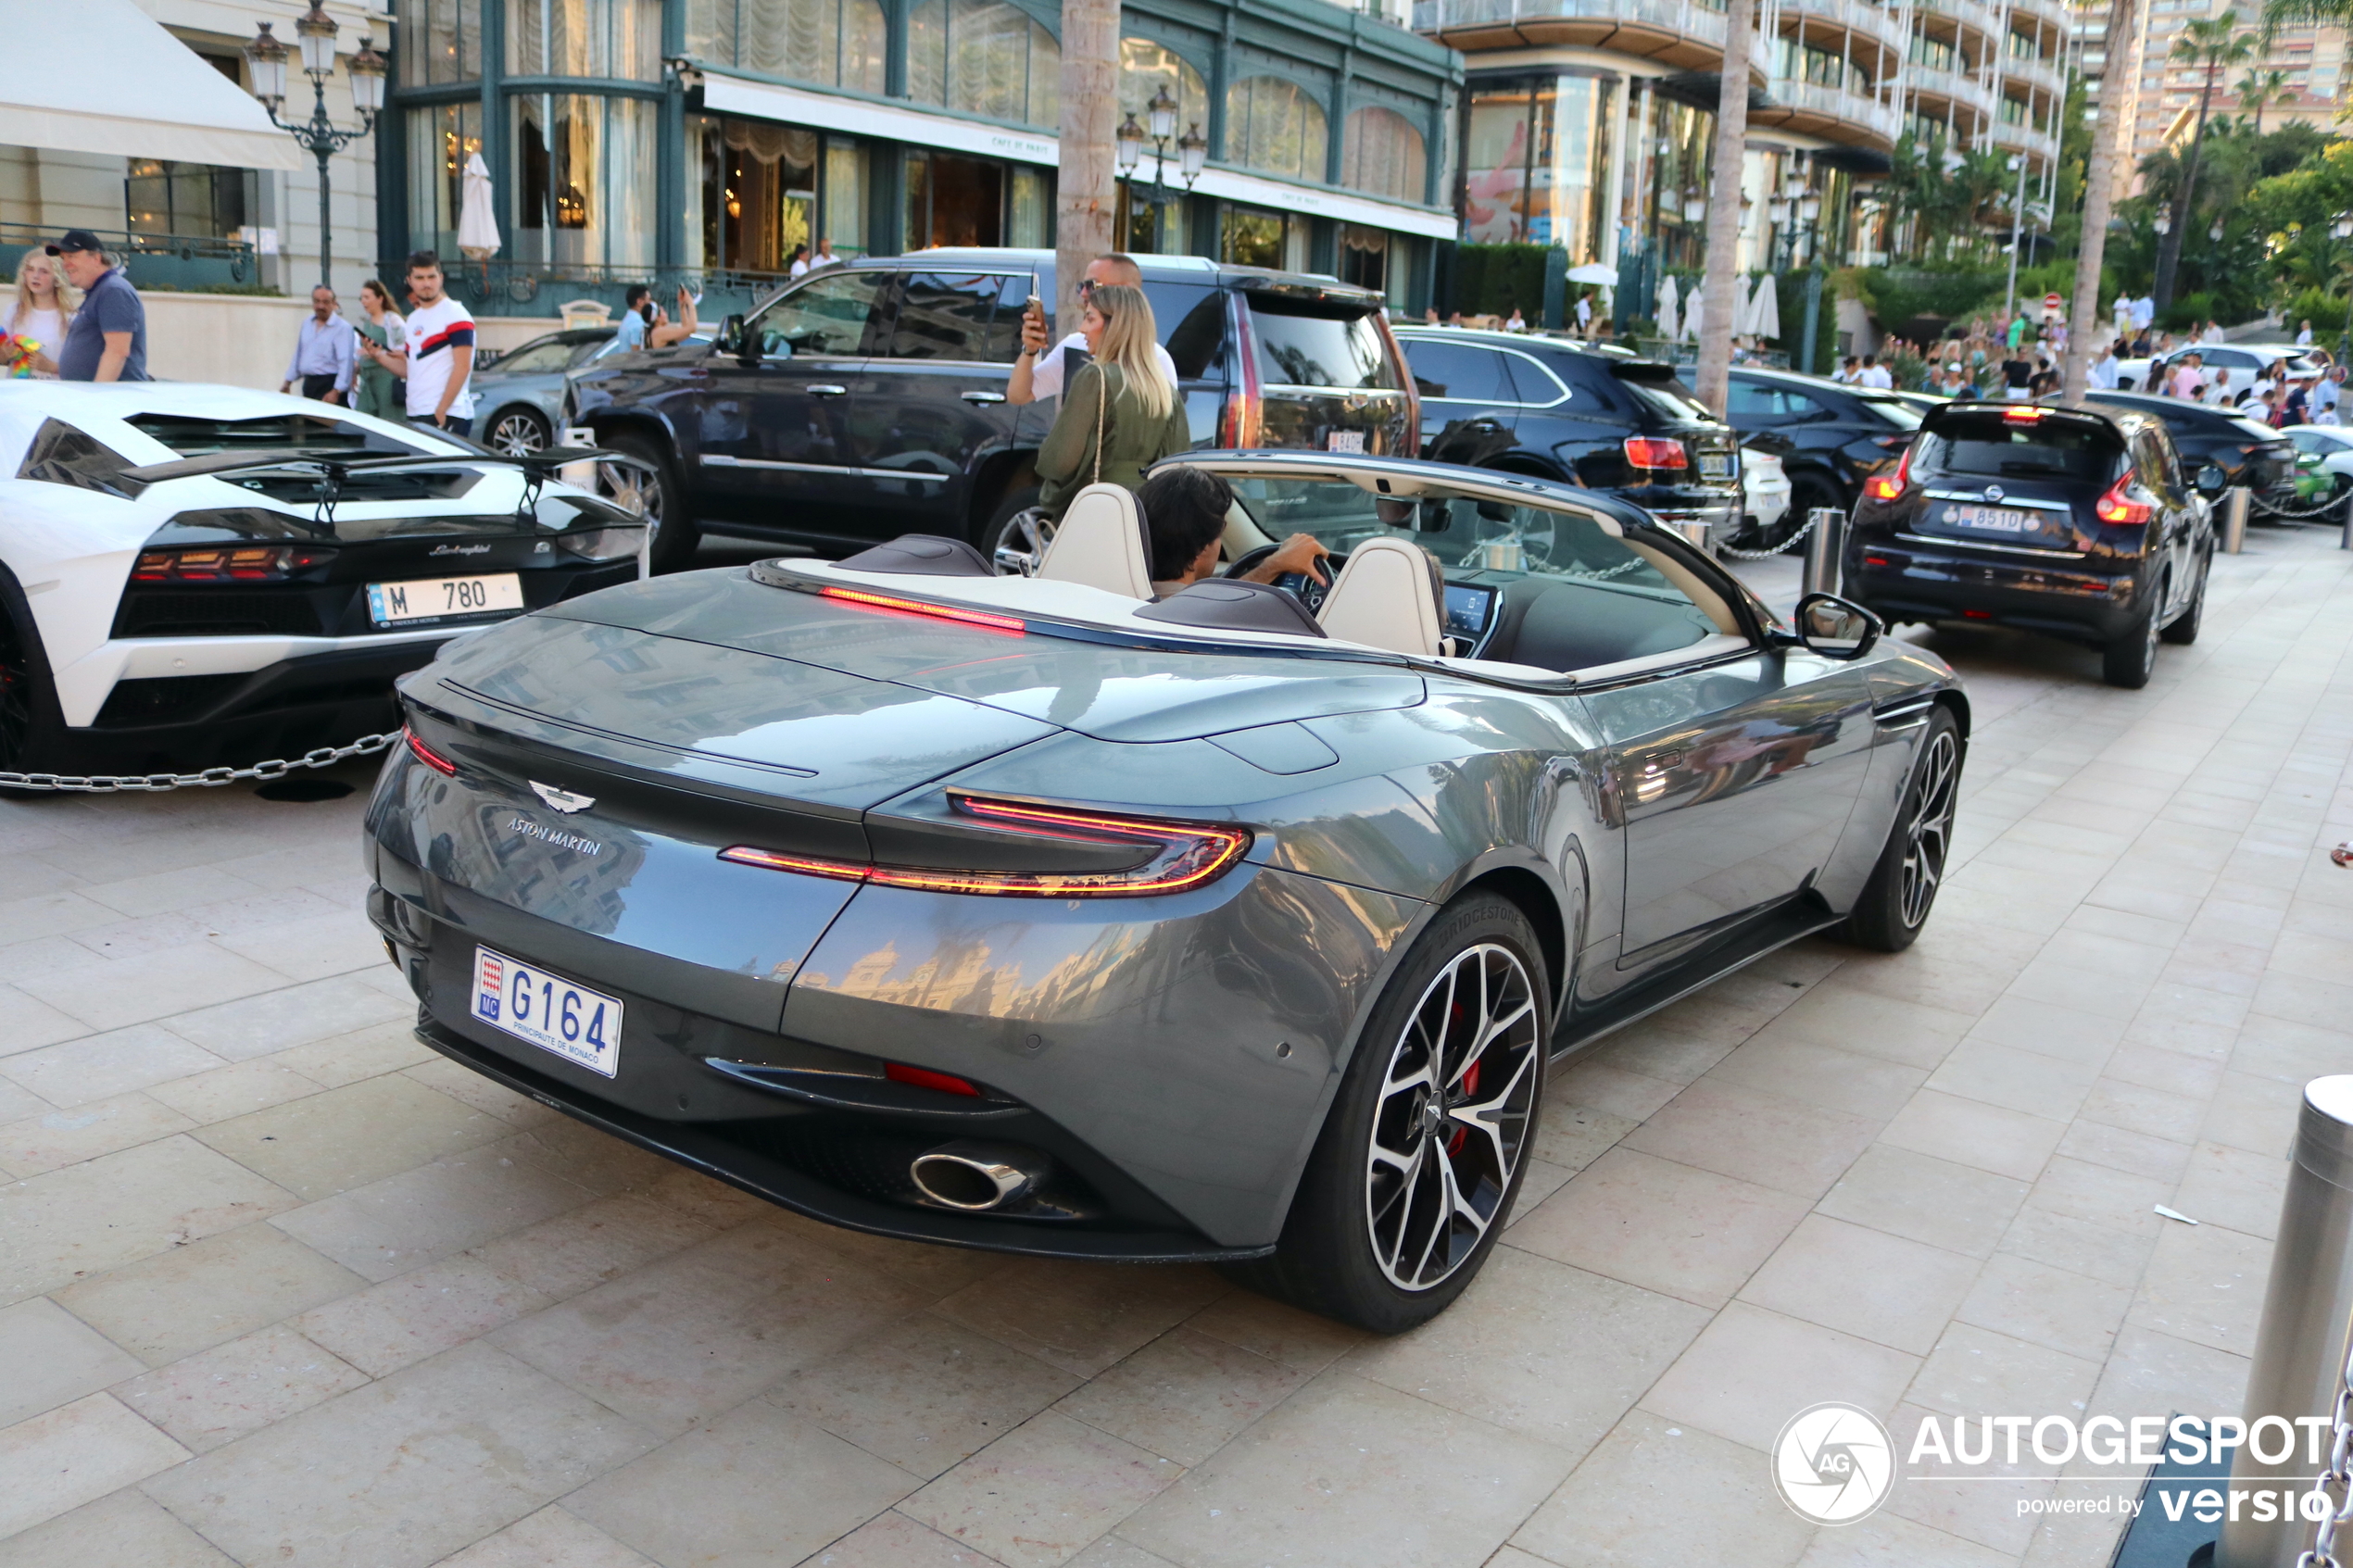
x,y
1679,34
1832,113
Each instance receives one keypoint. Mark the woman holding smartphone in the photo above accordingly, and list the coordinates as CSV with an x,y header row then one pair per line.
x,y
1120,414
379,392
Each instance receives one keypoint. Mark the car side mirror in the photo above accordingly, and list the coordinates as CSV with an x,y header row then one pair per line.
x,y
1835,628
731,335
2212,481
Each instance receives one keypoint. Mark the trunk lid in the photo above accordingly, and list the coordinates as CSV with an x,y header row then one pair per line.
x,y
1324,372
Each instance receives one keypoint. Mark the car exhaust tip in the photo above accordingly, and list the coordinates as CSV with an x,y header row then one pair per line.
x,y
975,1176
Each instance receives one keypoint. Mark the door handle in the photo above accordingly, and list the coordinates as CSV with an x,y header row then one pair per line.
x,y
984,397
828,391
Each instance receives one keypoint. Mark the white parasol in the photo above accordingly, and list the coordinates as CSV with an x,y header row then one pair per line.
x,y
1765,312
1696,311
1593,272
477,218
1667,307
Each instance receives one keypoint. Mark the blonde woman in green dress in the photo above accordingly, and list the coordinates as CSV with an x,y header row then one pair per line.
x,y
1143,421
380,392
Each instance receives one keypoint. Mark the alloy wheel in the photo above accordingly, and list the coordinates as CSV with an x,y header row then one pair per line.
x,y
633,486
518,434
1928,828
1453,1117
1023,544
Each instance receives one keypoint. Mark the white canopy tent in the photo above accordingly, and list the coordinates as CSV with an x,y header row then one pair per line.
x,y
140,93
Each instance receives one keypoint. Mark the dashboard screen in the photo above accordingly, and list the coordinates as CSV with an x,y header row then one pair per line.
x,y
1468,609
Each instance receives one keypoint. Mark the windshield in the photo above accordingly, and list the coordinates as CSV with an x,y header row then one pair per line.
x,y
317,435
1668,398
1496,540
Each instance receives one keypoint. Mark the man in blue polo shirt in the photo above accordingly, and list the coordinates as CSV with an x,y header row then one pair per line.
x,y
108,338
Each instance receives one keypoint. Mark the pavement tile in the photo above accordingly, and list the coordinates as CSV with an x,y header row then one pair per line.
x,y
1921,1197
1302,1341
401,1473
1184,1394
1969,1131
124,1529
1662,1225
925,1394
549,1538
1751,1369
893,1540
1037,1496
1347,1473
1975,1371
338,1139
2205,1283
420,1314
74,1454
673,1344
361,1053
290,1016
49,1357
175,980
1756,1136
1835,1013
57,1138
209,1291
2017,1080
1864,1282
26,1024
2046,1305
1572,1136
71,1223
2223,1186
1656,1495
711,1496
1890,1541
1822,1075
218,1396
231,1091
99,1067
1080,1317
396,1224
593,1244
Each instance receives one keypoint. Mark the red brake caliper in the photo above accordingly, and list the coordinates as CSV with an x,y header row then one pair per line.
x,y
1470,1087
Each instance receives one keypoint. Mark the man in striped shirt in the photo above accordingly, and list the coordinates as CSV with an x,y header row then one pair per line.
x,y
439,359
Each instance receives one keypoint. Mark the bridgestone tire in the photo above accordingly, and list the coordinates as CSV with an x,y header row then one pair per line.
x,y
1896,901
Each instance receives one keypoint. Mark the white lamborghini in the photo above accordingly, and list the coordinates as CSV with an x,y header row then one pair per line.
x,y
198,577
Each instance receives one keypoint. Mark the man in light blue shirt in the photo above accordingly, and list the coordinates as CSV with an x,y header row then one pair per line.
x,y
637,303
323,359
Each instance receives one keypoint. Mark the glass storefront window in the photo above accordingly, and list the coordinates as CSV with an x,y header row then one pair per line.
x,y
954,201
983,58
583,179
844,210
1538,162
440,140
1364,256
440,42
1144,68
1274,126
833,42
1383,155
1254,237
164,197
619,39
1029,215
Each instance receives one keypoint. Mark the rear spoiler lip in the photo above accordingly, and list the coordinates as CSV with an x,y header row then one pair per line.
x,y
290,459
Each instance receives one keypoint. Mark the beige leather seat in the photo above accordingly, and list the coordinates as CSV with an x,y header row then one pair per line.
x,y
1101,544
1391,594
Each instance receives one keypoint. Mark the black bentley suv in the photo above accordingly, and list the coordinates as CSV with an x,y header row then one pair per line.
x,y
2078,522
1550,409
868,400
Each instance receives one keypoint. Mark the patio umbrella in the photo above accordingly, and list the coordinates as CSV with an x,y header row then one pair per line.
x,y
1695,310
1593,272
477,219
1765,316
1666,317
1744,309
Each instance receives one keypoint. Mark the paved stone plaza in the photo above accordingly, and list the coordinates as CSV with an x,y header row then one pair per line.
x,y
279,1285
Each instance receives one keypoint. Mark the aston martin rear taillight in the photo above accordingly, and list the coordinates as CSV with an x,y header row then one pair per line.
x,y
429,756
226,563
1171,857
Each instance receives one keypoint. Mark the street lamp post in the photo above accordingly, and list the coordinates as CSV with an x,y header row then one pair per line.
x,y
1192,150
2018,223
2342,229
315,33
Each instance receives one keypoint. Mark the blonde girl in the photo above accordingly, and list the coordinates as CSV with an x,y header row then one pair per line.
x,y
43,305
1112,438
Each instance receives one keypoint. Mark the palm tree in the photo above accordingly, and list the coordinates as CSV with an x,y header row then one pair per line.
x,y
2099,190
1087,191
1720,286
2214,44
2258,88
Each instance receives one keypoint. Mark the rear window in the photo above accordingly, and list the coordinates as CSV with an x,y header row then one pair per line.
x,y
1991,447
1894,410
317,435
2249,428
1297,348
1192,318
1667,397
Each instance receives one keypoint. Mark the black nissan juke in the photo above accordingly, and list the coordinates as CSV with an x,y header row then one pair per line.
x,y
2077,521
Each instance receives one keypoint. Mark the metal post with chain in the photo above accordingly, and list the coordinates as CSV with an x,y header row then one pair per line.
x,y
210,778
2336,1478
1791,543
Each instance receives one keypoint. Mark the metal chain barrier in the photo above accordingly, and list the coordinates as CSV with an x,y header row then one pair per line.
x,y
1794,540
2338,1475
211,778
2288,514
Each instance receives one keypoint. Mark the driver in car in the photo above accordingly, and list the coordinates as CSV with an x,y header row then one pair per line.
x,y
1184,513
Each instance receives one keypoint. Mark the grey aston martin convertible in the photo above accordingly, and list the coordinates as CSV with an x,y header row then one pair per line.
x,y
1237,925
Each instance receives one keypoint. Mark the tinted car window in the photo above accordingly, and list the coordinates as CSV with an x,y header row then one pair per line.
x,y
588,348
1989,448
1461,372
1537,383
2253,430
840,314
1192,318
1669,399
1894,410
542,358
950,315
1764,401
1296,348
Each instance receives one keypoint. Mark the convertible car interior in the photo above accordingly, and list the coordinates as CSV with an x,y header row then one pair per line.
x,y
1490,585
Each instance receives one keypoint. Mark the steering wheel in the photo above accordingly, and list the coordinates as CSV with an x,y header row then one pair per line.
x,y
1302,585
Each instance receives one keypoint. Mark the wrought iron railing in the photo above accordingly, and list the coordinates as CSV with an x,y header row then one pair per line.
x,y
152,261
542,288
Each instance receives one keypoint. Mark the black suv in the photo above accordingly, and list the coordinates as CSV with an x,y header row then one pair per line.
x,y
1554,409
2078,522
868,400
1837,436
2247,451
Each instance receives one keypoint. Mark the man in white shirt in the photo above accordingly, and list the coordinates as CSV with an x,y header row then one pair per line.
x,y
2123,309
2144,312
438,360
2219,391
1876,374
2105,371
824,257
800,267
1041,371
2304,334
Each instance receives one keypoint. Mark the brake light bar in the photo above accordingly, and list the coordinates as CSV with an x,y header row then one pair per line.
x,y
1184,856
428,755
2117,507
1656,452
988,620
2024,413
